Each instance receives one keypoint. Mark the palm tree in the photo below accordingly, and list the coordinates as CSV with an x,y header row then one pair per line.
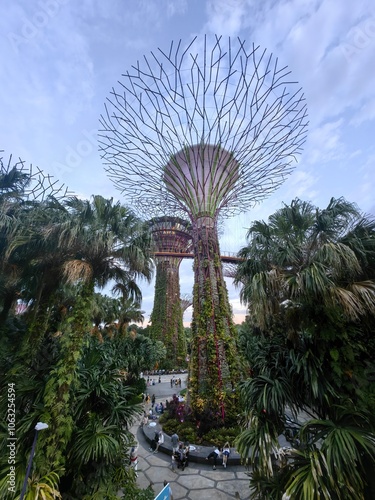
x,y
305,255
12,185
54,255
309,281
104,242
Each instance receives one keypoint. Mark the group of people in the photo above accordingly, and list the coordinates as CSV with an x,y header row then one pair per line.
x,y
177,382
180,453
220,452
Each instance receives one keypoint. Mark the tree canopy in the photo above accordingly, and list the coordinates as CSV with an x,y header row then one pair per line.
x,y
308,278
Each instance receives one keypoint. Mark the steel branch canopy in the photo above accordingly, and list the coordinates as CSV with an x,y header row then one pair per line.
x,y
214,100
33,182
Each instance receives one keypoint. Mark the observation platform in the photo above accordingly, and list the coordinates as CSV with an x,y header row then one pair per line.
x,y
225,257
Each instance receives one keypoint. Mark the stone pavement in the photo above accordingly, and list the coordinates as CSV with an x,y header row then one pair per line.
x,y
198,481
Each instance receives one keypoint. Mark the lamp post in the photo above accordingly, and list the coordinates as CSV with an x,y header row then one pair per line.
x,y
39,427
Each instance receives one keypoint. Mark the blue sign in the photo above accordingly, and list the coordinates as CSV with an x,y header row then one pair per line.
x,y
165,493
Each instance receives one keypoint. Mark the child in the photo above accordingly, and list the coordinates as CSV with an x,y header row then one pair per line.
x,y
226,453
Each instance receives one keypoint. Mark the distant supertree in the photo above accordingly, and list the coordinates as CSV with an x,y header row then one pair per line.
x,y
230,269
171,237
204,130
186,300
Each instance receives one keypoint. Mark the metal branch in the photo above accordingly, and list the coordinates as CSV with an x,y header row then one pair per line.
x,y
36,184
209,93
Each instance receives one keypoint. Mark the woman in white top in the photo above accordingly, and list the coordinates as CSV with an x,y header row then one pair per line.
x,y
161,441
215,455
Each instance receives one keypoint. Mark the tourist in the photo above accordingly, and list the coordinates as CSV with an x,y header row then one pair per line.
x,y
153,400
154,442
175,442
226,453
169,489
134,458
160,441
144,420
182,455
215,455
173,464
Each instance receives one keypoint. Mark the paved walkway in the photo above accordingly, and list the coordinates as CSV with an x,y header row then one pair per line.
x,y
197,481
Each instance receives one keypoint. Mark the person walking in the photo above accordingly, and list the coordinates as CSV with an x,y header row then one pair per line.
x,y
215,455
226,453
144,420
160,441
175,441
134,458
169,489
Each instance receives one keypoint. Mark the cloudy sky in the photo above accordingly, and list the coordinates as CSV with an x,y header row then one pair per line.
x,y
60,59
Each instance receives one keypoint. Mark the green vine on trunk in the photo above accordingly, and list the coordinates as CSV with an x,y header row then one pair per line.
x,y
57,395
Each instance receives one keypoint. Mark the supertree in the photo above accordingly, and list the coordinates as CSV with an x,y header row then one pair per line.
x,y
206,131
186,301
172,238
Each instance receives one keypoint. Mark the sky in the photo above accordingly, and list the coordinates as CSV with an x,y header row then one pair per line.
x,y
61,58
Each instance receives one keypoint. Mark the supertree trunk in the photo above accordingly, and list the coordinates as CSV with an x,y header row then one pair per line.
x,y
166,316
214,365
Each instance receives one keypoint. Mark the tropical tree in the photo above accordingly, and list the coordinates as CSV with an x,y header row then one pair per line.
x,y
309,280
12,185
106,242
64,251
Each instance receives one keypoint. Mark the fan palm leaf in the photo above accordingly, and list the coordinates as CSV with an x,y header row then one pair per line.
x,y
96,442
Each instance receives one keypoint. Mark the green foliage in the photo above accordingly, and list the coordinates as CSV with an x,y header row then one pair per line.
x,y
166,316
221,436
215,363
59,251
45,487
187,430
309,280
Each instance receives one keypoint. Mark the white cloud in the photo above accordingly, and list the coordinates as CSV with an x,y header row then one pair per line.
x,y
365,113
58,69
225,17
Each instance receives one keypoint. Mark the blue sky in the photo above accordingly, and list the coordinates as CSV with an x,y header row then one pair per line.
x,y
60,59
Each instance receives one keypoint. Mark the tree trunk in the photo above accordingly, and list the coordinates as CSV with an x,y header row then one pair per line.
x,y
166,317
214,366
